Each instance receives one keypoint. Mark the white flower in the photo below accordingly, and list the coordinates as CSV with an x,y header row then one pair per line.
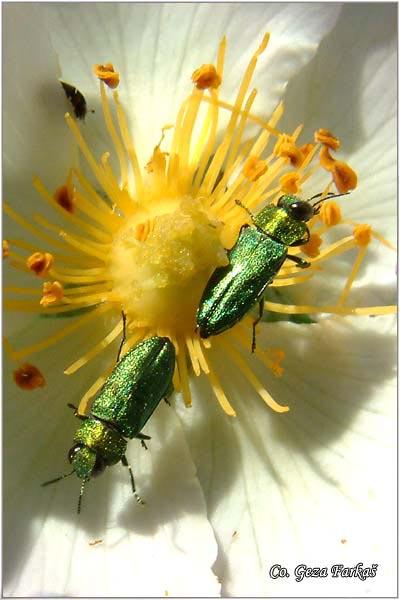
x,y
226,498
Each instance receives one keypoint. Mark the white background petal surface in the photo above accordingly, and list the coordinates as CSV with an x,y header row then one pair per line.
x,y
293,486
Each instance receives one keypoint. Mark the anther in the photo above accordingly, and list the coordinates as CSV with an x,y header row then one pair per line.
x,y
52,292
108,74
6,249
362,234
28,377
312,247
330,214
206,77
290,183
254,168
325,137
40,263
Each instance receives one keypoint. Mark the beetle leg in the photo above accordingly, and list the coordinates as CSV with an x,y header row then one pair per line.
x,y
303,264
142,437
260,314
303,240
124,461
78,416
123,335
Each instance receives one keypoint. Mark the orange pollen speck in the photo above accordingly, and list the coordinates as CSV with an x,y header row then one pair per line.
x,y
289,183
28,377
53,291
362,234
344,177
206,77
330,214
325,137
6,249
40,263
312,246
108,74
254,167
65,198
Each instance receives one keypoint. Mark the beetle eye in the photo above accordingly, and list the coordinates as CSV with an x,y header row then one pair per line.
x,y
72,451
301,210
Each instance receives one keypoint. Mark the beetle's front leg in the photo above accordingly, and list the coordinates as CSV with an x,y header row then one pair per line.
x,y
303,264
124,461
255,323
142,437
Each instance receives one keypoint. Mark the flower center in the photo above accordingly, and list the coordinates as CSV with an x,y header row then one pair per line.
x,y
160,265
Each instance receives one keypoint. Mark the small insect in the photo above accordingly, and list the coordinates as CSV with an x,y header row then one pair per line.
x,y
120,410
77,100
254,260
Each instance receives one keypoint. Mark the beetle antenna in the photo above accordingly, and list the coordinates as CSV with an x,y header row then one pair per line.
x,y
245,208
329,196
57,478
123,335
80,495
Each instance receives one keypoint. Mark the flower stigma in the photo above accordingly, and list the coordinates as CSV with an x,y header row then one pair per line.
x,y
146,239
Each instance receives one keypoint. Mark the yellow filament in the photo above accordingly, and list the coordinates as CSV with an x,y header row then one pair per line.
x,y
83,289
94,388
99,208
173,163
293,309
37,232
56,274
53,339
219,393
114,135
200,355
83,246
90,229
219,157
183,375
97,172
253,118
123,202
95,350
88,299
124,130
193,355
283,282
187,126
353,274
253,380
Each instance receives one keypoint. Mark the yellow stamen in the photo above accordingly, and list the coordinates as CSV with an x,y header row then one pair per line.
x,y
344,177
219,393
325,137
206,77
6,249
330,214
108,74
362,234
183,375
350,280
40,263
254,168
253,380
290,182
312,247
286,148
293,309
53,292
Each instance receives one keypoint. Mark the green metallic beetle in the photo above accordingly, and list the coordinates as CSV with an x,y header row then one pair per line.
x,y
254,260
120,410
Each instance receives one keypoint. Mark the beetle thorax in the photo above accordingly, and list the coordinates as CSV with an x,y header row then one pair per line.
x,y
277,223
160,264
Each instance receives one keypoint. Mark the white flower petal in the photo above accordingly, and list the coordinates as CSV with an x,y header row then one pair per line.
x,y
165,547
158,46
305,486
350,87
